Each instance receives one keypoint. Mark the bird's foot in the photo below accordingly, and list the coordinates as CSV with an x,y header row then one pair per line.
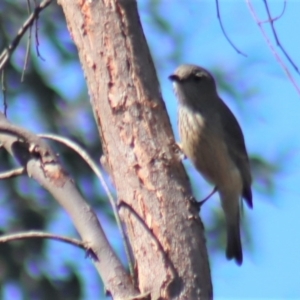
x,y
200,203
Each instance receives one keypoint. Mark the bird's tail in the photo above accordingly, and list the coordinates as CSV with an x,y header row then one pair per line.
x,y
234,245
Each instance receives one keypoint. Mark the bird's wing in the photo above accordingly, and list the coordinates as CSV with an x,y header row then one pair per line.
x,y
237,150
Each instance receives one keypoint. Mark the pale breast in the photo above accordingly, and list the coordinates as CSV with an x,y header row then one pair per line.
x,y
190,126
203,143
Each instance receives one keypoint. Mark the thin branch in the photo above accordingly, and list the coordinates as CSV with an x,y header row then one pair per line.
x,y
36,146
3,88
42,235
224,32
86,157
37,43
6,54
278,58
27,45
12,173
271,21
51,175
278,17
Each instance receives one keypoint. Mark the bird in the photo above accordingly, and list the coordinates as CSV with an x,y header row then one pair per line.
x,y
211,137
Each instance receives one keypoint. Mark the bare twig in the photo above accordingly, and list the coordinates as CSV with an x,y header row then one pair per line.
x,y
4,57
12,173
42,235
271,21
27,45
278,58
37,42
224,32
278,17
3,88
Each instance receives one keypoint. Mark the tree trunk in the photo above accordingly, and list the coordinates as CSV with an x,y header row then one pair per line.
x,y
164,228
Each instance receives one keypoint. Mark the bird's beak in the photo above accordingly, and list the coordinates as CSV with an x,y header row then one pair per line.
x,y
174,78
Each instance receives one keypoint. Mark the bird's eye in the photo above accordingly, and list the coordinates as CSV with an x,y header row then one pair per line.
x,y
198,77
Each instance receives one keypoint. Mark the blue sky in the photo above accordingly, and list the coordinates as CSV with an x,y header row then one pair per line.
x,y
270,122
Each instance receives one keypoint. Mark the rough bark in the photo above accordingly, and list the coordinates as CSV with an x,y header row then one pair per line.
x,y
164,227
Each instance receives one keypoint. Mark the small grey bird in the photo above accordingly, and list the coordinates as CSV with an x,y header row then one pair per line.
x,y
213,140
